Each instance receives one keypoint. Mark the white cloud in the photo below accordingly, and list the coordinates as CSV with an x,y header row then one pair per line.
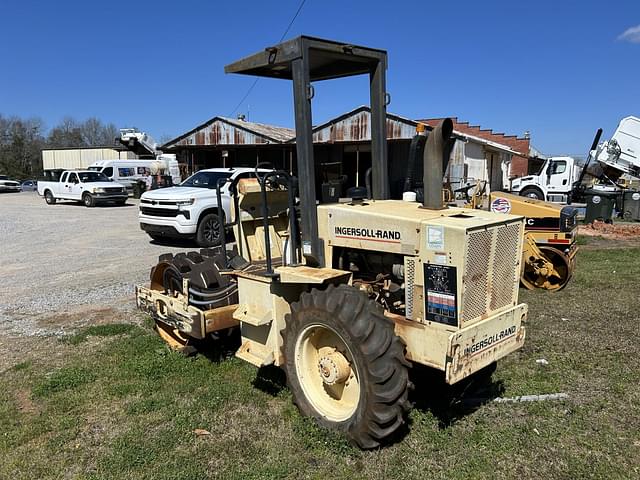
x,y
631,35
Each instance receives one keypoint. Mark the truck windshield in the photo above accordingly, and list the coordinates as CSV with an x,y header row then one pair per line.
x,y
205,179
88,177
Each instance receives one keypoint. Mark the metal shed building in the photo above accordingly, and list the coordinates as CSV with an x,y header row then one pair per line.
x,y
226,142
344,141
341,149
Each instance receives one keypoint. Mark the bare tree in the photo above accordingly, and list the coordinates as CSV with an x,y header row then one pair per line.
x,y
96,133
22,141
20,144
66,134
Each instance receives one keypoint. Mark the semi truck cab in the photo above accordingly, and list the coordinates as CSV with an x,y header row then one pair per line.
x,y
552,183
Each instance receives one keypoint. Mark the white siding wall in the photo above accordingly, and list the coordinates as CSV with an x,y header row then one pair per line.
x,y
81,157
468,164
475,161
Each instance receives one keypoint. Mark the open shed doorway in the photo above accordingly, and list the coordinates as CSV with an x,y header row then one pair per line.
x,y
495,171
356,162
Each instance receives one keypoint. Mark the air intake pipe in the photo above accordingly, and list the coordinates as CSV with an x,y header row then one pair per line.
x,y
436,158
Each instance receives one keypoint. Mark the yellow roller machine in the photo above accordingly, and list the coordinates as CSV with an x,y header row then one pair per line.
x,y
550,248
346,296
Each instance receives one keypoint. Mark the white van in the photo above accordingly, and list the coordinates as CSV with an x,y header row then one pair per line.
x,y
127,172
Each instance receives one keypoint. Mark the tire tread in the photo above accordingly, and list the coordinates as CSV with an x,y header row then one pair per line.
x,y
385,378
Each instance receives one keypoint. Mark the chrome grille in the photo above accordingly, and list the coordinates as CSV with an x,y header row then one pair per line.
x,y
491,270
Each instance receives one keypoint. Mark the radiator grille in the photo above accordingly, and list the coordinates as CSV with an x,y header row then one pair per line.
x,y
409,277
160,212
476,280
491,270
505,275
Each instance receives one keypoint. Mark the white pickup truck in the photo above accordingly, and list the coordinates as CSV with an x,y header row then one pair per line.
x,y
190,210
86,186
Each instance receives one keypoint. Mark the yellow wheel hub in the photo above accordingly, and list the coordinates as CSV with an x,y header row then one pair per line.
x,y
326,372
334,367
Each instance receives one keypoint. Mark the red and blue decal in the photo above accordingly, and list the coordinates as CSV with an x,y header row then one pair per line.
x,y
501,205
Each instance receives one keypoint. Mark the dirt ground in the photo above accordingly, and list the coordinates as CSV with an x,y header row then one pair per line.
x,y
615,231
65,266
600,235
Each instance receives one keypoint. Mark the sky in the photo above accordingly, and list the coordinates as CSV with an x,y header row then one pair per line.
x,y
559,69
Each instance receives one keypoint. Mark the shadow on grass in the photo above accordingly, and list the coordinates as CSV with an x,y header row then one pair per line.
x,y
450,403
223,345
271,380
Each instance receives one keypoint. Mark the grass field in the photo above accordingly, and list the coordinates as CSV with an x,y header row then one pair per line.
x,y
113,402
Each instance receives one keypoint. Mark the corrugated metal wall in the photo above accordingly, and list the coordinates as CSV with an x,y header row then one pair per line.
x,y
357,128
81,157
222,133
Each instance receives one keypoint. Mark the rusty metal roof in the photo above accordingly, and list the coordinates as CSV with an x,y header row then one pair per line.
x,y
355,126
352,126
281,134
228,131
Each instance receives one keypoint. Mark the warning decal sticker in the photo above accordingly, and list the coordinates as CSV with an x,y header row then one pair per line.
x,y
440,298
435,238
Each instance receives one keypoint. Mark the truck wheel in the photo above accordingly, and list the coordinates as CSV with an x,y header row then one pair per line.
x,y
49,198
208,233
88,200
532,193
345,365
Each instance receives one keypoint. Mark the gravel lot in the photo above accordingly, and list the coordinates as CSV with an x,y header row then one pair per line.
x,y
64,266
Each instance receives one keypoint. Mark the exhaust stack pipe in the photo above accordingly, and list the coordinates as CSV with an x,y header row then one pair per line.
x,y
438,145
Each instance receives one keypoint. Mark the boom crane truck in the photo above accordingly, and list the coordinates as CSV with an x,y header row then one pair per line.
x,y
345,297
143,145
561,180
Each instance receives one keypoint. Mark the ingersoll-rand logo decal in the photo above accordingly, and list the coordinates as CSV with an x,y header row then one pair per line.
x,y
491,340
373,235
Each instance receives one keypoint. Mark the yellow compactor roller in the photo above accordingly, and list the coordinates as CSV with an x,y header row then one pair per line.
x,y
345,297
549,249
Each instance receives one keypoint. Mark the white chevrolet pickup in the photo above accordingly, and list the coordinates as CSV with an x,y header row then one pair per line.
x,y
85,186
190,210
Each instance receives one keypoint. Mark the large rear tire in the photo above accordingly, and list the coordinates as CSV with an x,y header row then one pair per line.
x,y
345,366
